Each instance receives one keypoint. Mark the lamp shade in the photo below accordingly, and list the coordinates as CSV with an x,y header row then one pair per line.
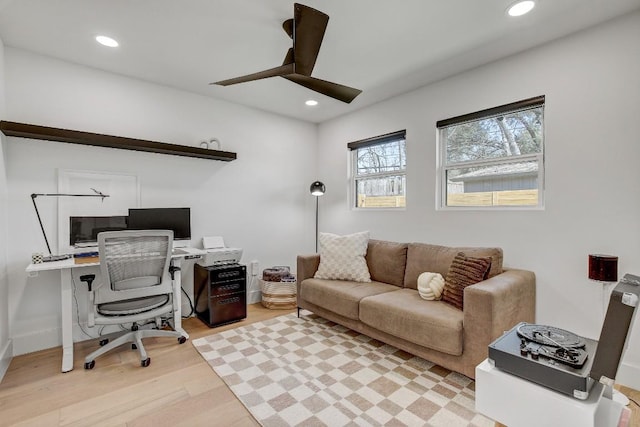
x,y
603,268
317,188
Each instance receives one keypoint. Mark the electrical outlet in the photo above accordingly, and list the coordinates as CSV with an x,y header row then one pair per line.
x,y
254,267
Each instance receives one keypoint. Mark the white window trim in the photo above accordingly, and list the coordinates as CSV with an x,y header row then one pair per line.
x,y
353,167
442,167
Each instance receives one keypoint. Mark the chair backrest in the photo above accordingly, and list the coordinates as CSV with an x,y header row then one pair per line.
x,y
134,264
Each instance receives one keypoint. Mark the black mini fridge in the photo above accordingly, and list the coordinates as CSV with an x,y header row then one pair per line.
x,y
220,293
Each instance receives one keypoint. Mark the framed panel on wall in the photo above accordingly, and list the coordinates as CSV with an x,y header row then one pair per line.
x,y
123,190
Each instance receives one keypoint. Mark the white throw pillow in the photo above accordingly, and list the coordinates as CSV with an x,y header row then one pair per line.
x,y
342,257
430,285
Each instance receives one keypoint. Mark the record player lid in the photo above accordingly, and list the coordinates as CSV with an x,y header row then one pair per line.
x,y
616,328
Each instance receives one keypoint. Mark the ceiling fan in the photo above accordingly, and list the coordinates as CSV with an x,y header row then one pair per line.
x,y
307,30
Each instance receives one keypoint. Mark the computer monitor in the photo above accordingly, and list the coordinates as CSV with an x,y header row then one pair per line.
x,y
176,219
83,230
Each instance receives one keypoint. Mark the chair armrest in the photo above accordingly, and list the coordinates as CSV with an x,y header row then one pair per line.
x,y
496,305
307,265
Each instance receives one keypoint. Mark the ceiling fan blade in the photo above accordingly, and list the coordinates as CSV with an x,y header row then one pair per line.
x,y
288,59
272,72
309,26
333,90
287,26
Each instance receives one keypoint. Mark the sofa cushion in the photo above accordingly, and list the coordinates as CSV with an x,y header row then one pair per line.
x,y
340,296
404,314
464,271
342,257
423,257
387,261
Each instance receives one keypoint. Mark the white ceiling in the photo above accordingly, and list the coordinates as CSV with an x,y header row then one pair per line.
x,y
383,47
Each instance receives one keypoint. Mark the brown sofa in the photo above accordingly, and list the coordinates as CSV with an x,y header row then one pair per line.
x,y
390,309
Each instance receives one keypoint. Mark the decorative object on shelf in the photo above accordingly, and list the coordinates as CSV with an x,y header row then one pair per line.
x,y
37,258
52,257
317,189
25,130
212,144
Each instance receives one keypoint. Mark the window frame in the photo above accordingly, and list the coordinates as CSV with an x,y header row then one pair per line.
x,y
443,167
354,177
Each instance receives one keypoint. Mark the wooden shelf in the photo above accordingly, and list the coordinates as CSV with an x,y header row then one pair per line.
x,y
24,130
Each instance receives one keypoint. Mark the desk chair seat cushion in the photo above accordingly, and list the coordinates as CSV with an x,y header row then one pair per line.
x,y
132,306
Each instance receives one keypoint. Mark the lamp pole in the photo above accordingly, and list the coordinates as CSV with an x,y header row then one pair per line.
x,y
317,189
317,201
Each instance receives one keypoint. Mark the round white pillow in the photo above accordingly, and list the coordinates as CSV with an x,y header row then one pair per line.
x,y
430,285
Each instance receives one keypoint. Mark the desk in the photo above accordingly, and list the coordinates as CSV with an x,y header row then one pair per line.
x,y
516,402
66,294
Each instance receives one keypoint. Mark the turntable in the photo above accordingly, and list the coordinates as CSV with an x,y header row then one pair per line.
x,y
564,361
546,355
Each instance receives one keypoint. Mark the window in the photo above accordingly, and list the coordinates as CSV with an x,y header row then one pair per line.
x,y
378,171
494,157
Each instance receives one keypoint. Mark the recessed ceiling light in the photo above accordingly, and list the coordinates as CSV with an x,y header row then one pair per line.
x,y
106,41
520,8
311,102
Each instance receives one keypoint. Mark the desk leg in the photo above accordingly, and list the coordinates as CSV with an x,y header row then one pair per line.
x,y
66,319
177,299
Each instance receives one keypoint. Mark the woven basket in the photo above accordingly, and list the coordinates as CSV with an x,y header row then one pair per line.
x,y
278,295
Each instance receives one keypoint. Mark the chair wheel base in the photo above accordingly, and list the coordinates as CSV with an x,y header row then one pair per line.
x,y
90,365
182,340
146,362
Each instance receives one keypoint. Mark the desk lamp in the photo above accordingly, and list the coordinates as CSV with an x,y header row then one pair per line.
x,y
603,269
52,257
317,189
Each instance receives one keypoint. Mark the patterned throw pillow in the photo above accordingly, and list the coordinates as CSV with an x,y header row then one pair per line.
x,y
342,257
464,271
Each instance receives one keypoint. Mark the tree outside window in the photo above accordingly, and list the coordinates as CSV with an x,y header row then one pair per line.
x,y
379,166
493,157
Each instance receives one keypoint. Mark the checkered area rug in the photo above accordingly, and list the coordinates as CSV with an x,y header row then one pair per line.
x,y
309,371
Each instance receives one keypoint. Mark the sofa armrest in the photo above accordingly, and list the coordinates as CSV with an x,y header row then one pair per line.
x,y
307,265
496,305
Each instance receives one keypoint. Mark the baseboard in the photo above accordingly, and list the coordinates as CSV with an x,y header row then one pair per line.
x,y
629,375
254,297
6,354
40,340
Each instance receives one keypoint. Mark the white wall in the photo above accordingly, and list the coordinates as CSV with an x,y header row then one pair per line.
x,y
6,351
259,202
592,206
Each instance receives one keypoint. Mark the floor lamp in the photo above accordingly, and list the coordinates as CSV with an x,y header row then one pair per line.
x,y
317,189
52,257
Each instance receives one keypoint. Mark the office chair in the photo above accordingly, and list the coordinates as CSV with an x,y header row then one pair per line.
x,y
137,286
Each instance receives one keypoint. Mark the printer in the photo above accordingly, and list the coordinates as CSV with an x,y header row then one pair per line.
x,y
218,253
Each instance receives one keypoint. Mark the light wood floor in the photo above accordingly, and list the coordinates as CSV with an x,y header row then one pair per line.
x,y
177,389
